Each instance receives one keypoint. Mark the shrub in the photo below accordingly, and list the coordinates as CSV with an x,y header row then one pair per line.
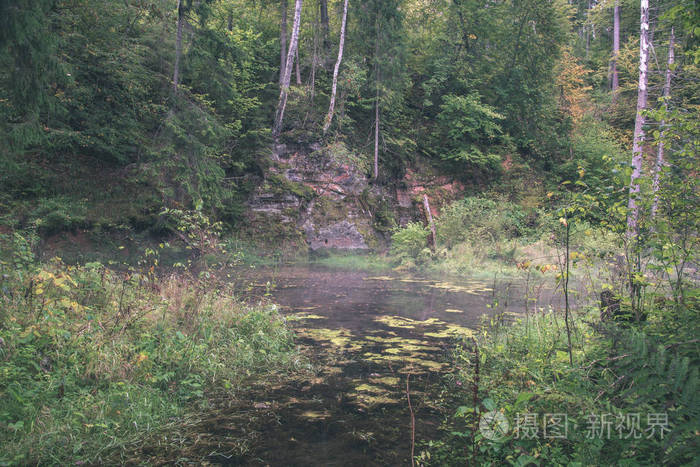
x,y
56,215
409,241
483,219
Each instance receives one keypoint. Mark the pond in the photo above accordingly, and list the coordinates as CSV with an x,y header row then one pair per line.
x,y
372,339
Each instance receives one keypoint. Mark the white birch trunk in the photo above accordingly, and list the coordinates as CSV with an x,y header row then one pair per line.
x,y
660,151
431,223
296,61
284,84
283,38
331,107
376,136
376,104
638,142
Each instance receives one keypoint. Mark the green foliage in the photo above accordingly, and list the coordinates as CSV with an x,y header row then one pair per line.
x,y
55,215
410,241
94,359
523,369
465,125
483,219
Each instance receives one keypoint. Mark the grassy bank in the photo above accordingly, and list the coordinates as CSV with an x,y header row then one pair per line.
x,y
91,360
355,262
626,386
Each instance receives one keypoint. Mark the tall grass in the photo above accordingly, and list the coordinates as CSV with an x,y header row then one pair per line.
x,y
92,359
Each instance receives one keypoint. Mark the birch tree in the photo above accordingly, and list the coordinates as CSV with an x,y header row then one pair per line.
x,y
660,150
283,37
289,61
376,105
334,88
638,141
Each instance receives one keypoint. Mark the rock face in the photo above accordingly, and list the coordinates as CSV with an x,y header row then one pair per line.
x,y
320,198
342,235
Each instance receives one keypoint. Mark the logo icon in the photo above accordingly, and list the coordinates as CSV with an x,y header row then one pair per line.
x,y
494,425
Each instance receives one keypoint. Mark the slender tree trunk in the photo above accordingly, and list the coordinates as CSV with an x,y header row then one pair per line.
x,y
638,142
376,136
178,45
660,152
296,61
324,23
334,88
283,38
431,223
616,49
284,85
566,294
376,105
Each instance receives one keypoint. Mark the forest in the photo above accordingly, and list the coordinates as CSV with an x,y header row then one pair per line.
x,y
349,232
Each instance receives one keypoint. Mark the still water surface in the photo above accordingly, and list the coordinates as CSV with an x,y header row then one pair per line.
x,y
366,334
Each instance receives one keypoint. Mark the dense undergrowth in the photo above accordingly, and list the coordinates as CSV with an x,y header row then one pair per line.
x,y
92,359
630,397
483,236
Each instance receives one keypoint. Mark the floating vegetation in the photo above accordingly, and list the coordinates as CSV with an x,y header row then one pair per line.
x,y
373,399
315,414
341,338
300,316
370,388
386,380
396,322
379,278
413,361
368,394
403,344
451,330
405,323
478,288
452,310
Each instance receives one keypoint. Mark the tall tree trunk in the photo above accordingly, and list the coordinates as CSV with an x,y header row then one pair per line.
x,y
660,150
638,142
284,85
334,88
283,38
296,61
616,49
324,23
376,135
178,45
376,103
